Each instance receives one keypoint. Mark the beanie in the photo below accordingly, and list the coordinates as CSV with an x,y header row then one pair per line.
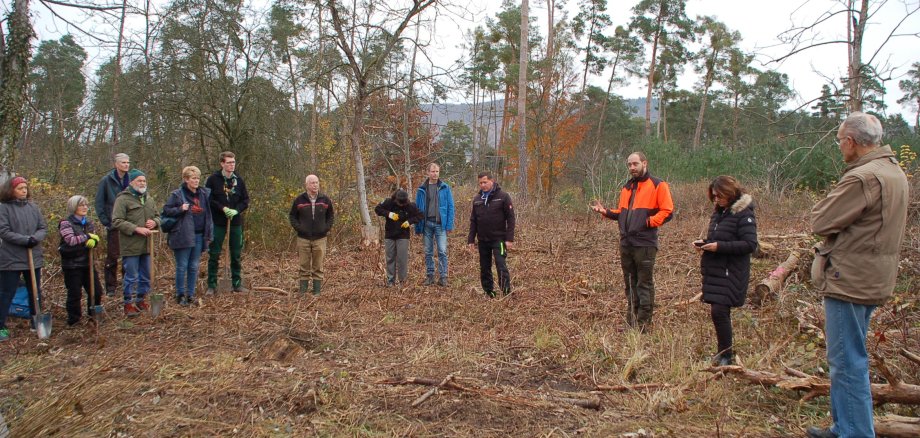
x,y
134,173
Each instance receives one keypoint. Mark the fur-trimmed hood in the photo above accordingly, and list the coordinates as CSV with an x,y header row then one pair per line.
x,y
743,202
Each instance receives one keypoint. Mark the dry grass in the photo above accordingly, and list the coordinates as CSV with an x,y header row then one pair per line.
x,y
271,364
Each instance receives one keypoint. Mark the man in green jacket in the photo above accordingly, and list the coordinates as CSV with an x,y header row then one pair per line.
x,y
862,220
135,216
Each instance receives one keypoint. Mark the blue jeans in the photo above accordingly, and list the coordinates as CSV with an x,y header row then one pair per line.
x,y
435,231
845,326
187,262
137,277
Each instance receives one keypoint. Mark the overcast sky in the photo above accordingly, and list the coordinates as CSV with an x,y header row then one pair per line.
x,y
759,22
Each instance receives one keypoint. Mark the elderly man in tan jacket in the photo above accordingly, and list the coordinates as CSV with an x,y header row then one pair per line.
x,y
863,221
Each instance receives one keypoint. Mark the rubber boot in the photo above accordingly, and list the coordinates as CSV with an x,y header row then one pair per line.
x,y
304,286
317,285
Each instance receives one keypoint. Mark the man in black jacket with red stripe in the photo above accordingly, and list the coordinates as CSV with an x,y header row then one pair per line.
x,y
492,219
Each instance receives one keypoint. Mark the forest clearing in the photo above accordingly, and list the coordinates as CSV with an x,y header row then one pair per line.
x,y
555,358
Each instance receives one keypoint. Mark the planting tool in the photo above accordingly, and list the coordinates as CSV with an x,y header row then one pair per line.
x,y
224,283
42,320
156,298
98,309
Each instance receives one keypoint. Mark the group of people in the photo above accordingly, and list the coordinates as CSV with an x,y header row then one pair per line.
x,y
492,222
197,216
863,221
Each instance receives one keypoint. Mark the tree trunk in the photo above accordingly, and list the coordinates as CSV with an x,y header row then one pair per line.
x,y
116,79
13,83
651,78
522,101
856,27
703,101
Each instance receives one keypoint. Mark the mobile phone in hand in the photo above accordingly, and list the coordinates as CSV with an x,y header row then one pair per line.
x,y
699,243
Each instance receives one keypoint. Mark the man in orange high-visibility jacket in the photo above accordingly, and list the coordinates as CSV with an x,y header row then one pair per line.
x,y
645,204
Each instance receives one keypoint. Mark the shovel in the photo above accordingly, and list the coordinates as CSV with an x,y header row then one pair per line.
x,y
156,298
42,320
98,309
224,283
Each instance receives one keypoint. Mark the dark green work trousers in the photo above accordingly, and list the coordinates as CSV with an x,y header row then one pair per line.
x,y
638,264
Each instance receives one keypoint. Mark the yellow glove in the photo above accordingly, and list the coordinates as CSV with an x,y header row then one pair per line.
x,y
94,237
393,216
91,243
405,224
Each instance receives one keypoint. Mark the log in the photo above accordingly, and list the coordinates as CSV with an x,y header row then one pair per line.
x,y
773,284
902,393
910,356
896,426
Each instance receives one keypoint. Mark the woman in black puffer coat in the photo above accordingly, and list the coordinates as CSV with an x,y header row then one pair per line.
x,y
726,257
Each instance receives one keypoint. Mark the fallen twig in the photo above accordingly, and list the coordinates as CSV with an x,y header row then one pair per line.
x,y
629,388
433,390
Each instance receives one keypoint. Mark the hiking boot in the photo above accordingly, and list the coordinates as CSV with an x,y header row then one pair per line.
x,y
143,306
304,286
390,283
210,291
429,280
490,293
443,282
131,310
723,359
240,289
184,301
317,286
817,432
4,334
179,299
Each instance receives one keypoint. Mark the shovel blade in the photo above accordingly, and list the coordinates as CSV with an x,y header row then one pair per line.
x,y
223,285
42,325
99,313
156,304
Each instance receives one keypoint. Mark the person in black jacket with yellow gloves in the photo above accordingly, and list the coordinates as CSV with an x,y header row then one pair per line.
x,y
312,217
492,220
400,215
726,258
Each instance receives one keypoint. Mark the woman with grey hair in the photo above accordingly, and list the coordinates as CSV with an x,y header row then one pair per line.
x,y
78,238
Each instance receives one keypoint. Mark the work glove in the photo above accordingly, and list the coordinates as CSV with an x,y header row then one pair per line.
x,y
405,225
94,237
91,243
32,243
230,212
393,216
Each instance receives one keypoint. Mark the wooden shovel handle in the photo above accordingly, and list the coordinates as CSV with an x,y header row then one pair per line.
x,y
38,309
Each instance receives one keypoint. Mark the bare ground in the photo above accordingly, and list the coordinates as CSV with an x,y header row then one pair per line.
x,y
273,363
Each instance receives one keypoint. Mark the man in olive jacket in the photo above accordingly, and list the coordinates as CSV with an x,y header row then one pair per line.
x,y
856,266
135,216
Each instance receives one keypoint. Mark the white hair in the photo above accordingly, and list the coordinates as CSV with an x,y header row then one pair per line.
x,y
865,129
120,157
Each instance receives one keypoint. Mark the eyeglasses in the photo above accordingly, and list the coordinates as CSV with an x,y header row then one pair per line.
x,y
840,140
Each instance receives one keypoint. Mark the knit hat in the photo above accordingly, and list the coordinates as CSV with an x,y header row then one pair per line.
x,y
17,181
134,173
401,197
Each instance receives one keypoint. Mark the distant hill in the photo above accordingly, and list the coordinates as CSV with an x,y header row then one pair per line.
x,y
441,113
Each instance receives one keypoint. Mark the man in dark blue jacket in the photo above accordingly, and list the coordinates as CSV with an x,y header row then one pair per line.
x,y
436,203
110,186
492,220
